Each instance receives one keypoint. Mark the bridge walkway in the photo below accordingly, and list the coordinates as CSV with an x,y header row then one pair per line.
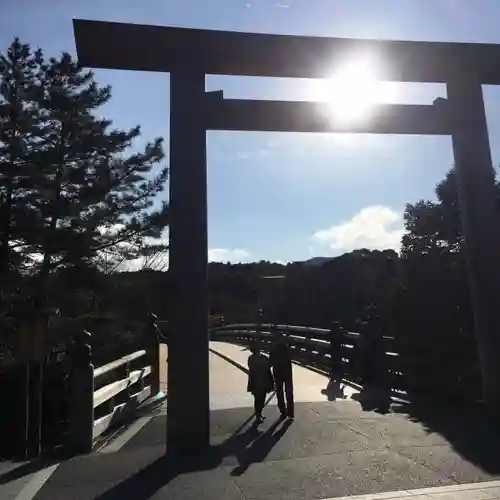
x,y
333,448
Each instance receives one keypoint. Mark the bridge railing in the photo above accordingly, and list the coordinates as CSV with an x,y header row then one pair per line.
x,y
102,397
313,346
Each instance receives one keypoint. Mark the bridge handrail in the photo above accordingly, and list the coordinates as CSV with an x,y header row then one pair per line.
x,y
119,362
313,345
102,396
311,332
268,326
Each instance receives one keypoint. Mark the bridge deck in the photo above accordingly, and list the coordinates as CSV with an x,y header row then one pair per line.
x,y
228,379
332,449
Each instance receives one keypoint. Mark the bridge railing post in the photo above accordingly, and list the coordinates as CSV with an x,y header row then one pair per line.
x,y
153,342
336,338
359,355
81,411
381,372
260,318
305,349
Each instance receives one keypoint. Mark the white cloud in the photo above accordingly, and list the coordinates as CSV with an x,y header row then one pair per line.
x,y
376,228
214,255
132,265
111,230
157,262
227,255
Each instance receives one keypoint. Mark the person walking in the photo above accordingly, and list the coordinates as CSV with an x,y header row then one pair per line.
x,y
281,363
260,380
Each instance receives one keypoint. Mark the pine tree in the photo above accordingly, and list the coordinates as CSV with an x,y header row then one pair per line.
x,y
71,193
96,197
20,129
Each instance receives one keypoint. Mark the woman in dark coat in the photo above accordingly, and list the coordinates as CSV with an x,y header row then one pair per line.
x,y
260,380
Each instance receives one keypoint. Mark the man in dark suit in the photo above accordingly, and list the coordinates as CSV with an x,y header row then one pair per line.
x,y
281,363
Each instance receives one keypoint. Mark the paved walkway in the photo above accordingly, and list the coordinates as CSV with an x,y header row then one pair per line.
x,y
228,386
333,449
476,491
10,488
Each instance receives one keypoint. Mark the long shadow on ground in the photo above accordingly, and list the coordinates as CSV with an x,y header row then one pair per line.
x,y
468,430
248,444
465,427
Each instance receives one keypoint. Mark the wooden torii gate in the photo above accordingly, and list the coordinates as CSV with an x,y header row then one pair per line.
x,y
190,54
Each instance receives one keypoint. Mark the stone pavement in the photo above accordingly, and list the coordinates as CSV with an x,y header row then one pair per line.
x,y
476,491
12,482
333,449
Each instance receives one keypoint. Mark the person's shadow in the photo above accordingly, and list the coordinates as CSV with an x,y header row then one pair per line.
x,y
248,445
260,447
334,390
374,399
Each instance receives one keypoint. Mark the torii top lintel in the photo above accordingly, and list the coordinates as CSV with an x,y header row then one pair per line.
x,y
113,45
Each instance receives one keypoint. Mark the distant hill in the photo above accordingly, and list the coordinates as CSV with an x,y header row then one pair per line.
x,y
317,261
361,253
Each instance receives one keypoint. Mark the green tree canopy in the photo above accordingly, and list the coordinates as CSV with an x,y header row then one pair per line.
x,y
73,187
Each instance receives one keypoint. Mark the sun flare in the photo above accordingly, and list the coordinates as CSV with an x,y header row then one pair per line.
x,y
352,93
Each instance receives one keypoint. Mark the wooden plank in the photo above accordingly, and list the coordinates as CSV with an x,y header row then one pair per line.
x,y
119,411
108,391
119,362
163,367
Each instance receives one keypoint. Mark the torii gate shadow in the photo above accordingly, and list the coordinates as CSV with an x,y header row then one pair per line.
x,y
247,444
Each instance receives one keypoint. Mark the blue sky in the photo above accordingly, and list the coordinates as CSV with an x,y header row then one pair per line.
x,y
286,196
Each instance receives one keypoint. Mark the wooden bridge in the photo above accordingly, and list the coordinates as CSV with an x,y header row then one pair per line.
x,y
337,445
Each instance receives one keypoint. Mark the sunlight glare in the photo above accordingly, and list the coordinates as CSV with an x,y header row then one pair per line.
x,y
352,93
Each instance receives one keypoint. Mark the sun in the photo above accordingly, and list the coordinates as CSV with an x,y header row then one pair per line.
x,y
351,94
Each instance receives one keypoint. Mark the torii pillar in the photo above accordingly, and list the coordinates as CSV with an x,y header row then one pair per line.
x,y
188,420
